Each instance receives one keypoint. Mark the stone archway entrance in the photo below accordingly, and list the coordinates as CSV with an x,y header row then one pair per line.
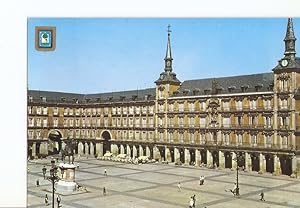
x,y
55,142
106,141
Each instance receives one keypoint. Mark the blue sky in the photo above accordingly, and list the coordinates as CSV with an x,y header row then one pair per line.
x,y
111,54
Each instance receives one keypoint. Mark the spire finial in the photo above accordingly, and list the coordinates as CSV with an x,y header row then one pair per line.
x,y
169,29
290,40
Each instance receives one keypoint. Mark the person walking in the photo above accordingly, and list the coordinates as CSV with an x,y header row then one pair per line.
x,y
104,191
44,171
262,195
46,200
105,172
37,182
179,186
58,200
191,204
194,200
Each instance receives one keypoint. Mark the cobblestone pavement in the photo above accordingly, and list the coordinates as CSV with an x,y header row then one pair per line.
x,y
155,185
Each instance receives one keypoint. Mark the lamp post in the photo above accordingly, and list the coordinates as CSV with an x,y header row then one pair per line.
x,y
239,155
53,178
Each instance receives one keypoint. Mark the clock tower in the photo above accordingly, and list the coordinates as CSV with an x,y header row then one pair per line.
x,y
167,82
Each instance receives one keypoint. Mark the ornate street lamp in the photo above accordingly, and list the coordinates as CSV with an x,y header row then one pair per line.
x,y
239,156
53,178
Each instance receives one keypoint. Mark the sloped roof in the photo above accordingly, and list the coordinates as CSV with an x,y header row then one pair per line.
x,y
263,80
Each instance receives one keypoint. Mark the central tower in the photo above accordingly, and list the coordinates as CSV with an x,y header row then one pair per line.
x,y
167,82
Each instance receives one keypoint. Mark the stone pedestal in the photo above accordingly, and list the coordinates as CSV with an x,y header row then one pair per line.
x,y
176,155
67,184
262,163
187,157
209,159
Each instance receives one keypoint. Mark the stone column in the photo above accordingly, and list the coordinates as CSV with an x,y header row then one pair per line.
x,y
221,160
294,165
44,148
234,162
80,148
176,155
209,159
156,154
262,163
248,162
167,154
92,148
86,148
99,149
148,152
141,152
128,151
33,149
114,149
187,157
122,149
198,157
277,165
134,152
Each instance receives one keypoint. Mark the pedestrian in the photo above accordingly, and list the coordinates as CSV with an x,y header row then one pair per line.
x,y
194,199
234,189
179,186
46,200
191,203
262,195
105,172
44,171
104,191
58,199
77,165
202,180
37,182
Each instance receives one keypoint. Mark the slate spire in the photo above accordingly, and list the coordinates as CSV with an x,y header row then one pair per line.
x,y
168,58
290,40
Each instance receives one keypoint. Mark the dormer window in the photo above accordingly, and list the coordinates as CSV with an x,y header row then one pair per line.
x,y
122,98
244,88
231,88
186,91
30,98
207,91
134,97
63,99
43,99
110,98
196,91
258,87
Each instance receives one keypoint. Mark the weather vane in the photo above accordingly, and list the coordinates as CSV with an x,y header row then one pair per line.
x,y
169,29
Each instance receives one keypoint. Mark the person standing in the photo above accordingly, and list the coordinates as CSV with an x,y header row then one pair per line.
x,y
104,191
262,195
179,186
194,200
37,182
191,205
58,199
44,171
46,200
105,172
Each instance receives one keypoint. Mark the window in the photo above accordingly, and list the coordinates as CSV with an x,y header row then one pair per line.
x,y
131,110
268,105
268,140
119,111
203,106
226,122
284,141
55,123
144,109
66,111
226,139
38,110
31,122
30,134
106,110
70,133
144,122
239,105
137,110
239,121
181,140
131,122
239,139
171,107
77,133
38,122
252,104
124,122
192,121
137,122
45,110
29,110
144,136
137,135
77,122
70,112
161,108
283,122
180,121
125,110
45,122
253,140
77,112
202,122
83,122
192,138
150,135
160,122
71,122
253,120
65,123
114,110
150,122
181,107
94,111
119,122
192,107
202,139
55,111
268,122
226,106
151,109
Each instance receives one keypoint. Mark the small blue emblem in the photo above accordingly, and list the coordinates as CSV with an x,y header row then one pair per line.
x,y
45,39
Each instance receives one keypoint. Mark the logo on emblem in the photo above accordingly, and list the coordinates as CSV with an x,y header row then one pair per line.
x,y
45,38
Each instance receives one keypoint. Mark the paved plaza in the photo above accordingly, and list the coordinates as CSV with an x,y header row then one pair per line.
x,y
155,185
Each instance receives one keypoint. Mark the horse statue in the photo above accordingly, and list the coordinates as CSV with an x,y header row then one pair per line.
x,y
68,151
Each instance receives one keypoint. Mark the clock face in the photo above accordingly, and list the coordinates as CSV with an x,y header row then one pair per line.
x,y
284,62
161,76
168,63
